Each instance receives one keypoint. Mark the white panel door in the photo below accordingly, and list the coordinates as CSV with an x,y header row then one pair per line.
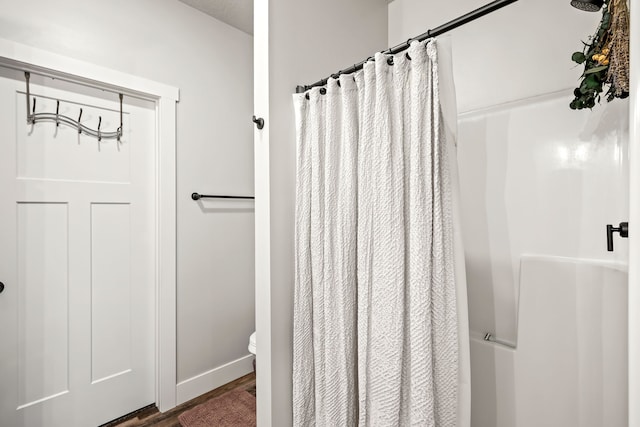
x,y
77,342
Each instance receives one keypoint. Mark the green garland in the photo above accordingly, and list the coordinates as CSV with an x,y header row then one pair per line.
x,y
595,58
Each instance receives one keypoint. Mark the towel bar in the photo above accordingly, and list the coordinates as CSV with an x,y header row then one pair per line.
x,y
196,196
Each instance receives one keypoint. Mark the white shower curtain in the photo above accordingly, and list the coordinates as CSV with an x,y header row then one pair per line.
x,y
380,323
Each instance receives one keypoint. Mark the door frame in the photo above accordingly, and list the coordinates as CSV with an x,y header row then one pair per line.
x,y
634,220
27,58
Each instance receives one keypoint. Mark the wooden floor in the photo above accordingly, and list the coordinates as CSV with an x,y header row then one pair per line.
x,y
152,417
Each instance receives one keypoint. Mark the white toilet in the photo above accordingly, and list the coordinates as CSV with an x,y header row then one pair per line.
x,y
252,344
252,348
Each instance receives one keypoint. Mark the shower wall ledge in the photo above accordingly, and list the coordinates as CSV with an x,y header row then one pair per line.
x,y
570,365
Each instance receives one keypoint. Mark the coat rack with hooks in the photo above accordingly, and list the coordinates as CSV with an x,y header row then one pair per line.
x,y
33,118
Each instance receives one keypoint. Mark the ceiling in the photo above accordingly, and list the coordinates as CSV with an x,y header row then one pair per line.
x,y
237,13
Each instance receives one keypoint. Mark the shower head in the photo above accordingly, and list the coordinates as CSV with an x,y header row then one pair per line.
x,y
588,5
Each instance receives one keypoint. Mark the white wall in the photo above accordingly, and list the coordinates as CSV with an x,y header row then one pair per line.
x,y
211,63
306,42
535,176
520,51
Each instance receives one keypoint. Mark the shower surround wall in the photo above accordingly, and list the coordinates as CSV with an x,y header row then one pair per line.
x,y
538,184
211,63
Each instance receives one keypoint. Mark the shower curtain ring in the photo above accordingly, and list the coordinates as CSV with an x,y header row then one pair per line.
x,y
408,46
336,76
390,57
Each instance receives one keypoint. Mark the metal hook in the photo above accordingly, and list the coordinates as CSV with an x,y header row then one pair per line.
x,y
27,76
99,123
33,112
57,111
390,58
408,46
120,128
259,121
336,76
79,125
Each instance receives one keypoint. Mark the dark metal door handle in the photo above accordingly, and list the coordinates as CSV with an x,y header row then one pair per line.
x,y
623,229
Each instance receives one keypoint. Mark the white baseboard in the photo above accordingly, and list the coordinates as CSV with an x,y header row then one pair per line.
x,y
207,381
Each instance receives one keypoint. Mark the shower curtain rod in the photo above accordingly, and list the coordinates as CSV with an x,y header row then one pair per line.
x,y
455,23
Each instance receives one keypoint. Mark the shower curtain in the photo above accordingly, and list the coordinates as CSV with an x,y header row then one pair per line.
x,y
380,315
